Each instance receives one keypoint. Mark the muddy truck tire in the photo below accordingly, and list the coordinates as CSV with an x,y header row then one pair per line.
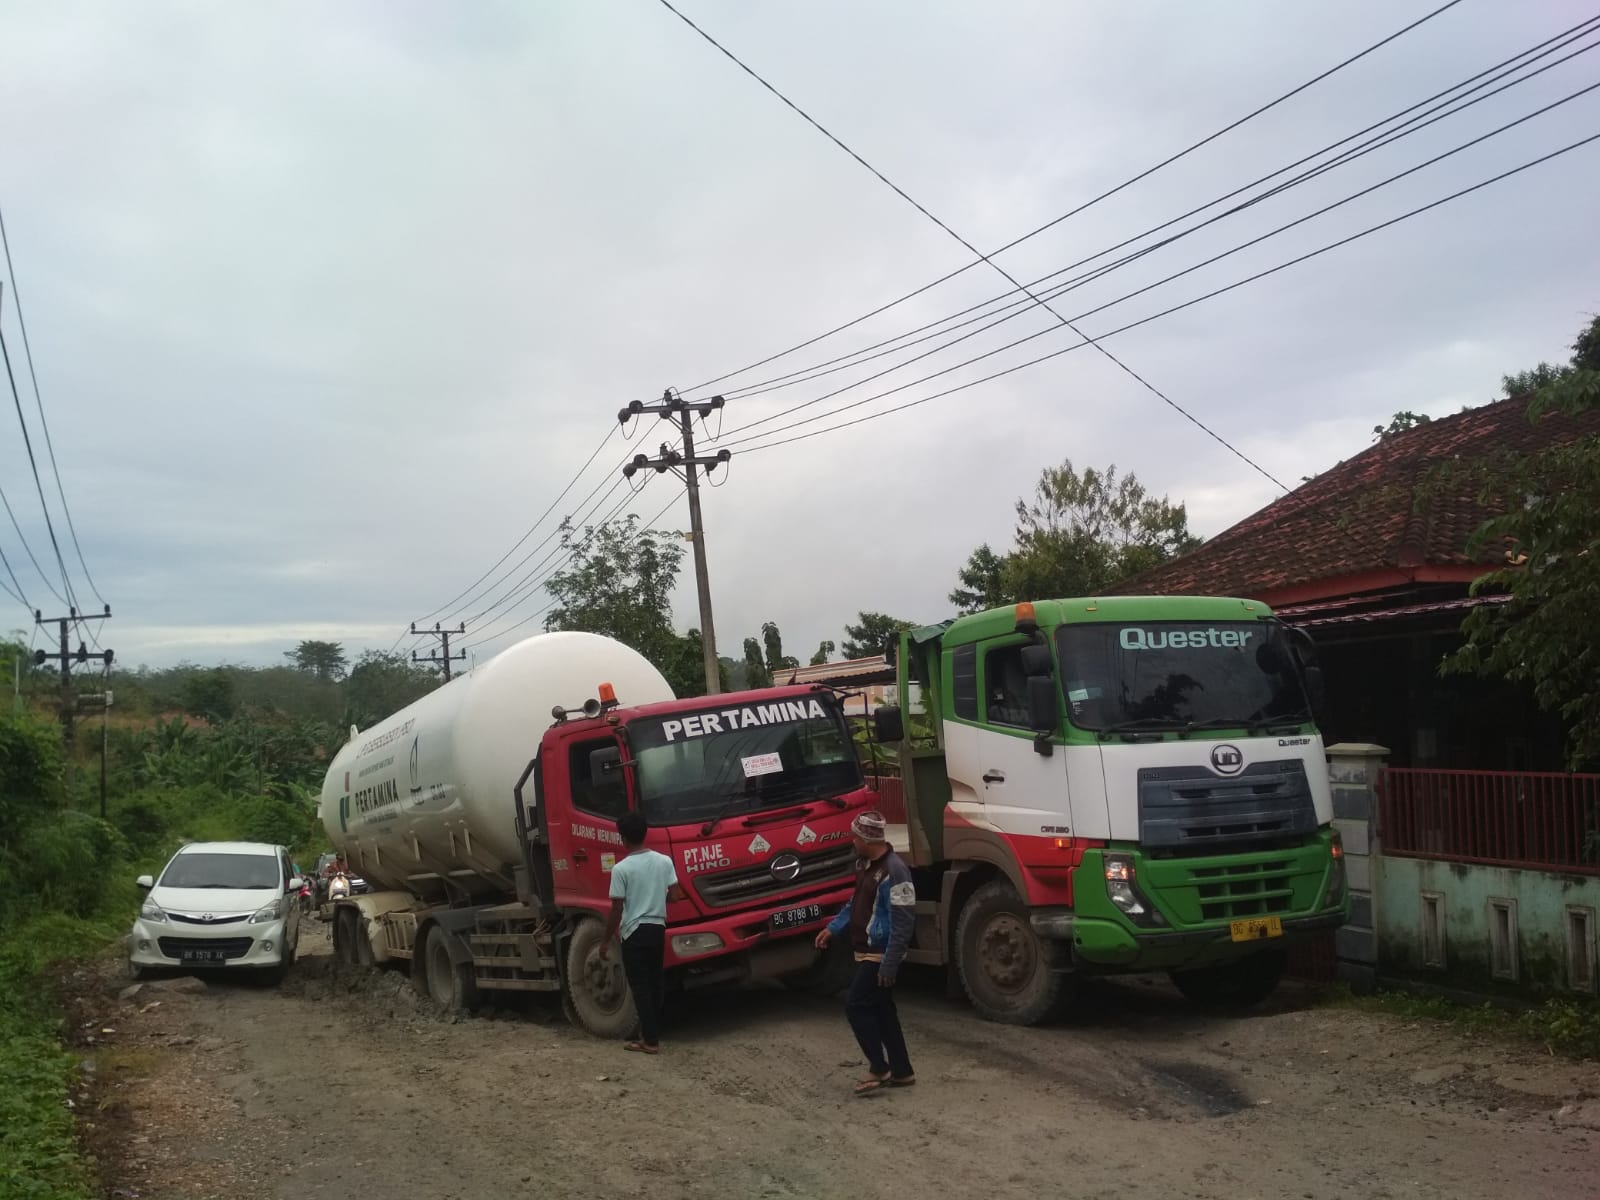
x,y
1008,971
597,989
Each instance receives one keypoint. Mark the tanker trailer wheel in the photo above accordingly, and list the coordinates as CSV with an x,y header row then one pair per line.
x,y
448,984
1010,973
597,988
345,934
351,948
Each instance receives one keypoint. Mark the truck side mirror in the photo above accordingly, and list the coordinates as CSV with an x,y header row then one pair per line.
x,y
1036,660
605,775
1043,714
888,725
1316,690
144,883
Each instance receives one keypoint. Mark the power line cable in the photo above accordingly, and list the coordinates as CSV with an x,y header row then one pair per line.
x,y
38,484
615,482
27,350
595,453
1416,124
1190,303
1001,271
571,553
16,587
982,258
521,588
1070,323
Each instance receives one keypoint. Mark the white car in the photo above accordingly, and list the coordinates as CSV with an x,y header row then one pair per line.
x,y
219,906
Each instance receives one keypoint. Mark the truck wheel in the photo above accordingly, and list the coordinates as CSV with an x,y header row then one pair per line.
x,y
1235,985
344,937
597,987
450,984
827,976
1010,973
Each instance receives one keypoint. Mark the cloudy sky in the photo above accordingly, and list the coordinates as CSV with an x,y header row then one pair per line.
x,y
329,302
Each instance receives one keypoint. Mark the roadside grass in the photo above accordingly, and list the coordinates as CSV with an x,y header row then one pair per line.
x,y
40,1157
1567,1027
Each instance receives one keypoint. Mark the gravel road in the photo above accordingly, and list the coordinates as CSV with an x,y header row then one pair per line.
x,y
343,1084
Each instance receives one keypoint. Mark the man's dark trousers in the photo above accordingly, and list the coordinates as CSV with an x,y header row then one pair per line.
x,y
643,953
876,1024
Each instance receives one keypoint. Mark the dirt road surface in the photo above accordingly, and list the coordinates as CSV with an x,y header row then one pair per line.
x,y
349,1085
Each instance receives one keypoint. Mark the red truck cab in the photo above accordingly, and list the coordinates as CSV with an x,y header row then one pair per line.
x,y
751,795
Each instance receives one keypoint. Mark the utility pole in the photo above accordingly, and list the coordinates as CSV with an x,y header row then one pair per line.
x,y
103,699
670,408
65,657
443,655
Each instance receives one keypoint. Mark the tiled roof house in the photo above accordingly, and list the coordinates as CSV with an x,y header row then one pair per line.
x,y
1386,519
1371,557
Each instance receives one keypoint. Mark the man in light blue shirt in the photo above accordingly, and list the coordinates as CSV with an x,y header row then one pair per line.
x,y
641,885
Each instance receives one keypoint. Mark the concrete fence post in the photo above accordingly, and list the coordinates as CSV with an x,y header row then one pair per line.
x,y
1353,770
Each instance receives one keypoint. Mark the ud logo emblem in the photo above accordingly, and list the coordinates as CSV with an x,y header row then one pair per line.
x,y
1226,760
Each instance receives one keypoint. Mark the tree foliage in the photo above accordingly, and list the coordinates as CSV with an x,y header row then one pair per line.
x,y
323,660
772,644
755,665
618,582
381,683
981,583
824,652
872,634
1542,636
1399,423
1078,534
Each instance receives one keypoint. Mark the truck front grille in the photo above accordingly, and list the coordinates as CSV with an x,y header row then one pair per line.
x,y
1244,890
1193,810
725,889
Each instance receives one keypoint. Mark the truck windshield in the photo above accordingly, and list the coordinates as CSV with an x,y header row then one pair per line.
x,y
743,758
1157,675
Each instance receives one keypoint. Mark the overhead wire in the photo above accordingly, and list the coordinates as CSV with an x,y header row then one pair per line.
x,y
1070,322
995,266
38,484
571,552
1190,303
1416,124
38,398
595,453
1090,203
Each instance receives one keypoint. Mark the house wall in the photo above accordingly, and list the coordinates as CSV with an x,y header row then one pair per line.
x,y
1463,925
1537,959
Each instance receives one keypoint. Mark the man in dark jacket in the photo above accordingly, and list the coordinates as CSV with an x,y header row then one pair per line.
x,y
879,917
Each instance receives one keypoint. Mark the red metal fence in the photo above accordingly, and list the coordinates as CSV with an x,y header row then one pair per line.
x,y
1546,821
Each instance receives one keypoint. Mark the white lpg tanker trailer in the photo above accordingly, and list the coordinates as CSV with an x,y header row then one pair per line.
x,y
484,817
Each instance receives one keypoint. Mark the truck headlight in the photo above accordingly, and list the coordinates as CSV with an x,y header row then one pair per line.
x,y
1124,893
150,911
267,912
1336,879
686,945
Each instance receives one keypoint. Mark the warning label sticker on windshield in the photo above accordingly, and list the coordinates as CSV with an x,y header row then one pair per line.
x,y
762,764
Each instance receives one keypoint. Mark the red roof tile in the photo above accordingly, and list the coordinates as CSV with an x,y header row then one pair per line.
x,y
1370,521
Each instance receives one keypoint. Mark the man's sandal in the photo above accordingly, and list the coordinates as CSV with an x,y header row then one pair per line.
x,y
878,1083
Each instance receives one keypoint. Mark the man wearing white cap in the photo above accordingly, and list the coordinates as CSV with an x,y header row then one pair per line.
x,y
880,917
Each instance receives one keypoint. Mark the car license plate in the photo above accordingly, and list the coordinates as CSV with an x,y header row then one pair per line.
x,y
1255,928
802,915
200,956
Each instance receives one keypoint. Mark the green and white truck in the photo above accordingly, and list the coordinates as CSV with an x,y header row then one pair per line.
x,y
1110,786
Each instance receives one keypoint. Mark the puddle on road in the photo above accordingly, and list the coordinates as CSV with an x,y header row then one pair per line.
x,y
1205,1088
